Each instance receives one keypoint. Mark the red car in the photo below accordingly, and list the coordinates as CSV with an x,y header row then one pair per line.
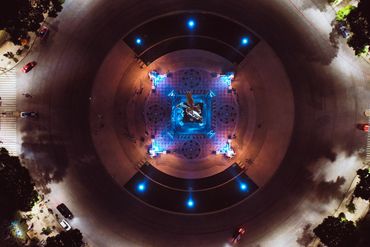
x,y
238,235
43,32
28,67
363,127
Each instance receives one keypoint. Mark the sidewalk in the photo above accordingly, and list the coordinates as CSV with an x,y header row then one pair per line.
x,y
20,52
361,206
342,4
40,218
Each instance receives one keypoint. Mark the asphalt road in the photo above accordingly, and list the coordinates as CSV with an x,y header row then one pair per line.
x,y
330,88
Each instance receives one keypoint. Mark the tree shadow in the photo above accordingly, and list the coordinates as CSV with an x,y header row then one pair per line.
x,y
326,191
46,160
334,35
307,236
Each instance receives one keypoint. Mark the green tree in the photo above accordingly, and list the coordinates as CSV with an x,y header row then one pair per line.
x,y
16,187
342,14
359,22
71,238
18,17
336,232
363,230
362,189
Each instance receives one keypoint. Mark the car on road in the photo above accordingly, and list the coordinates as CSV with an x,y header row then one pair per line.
x,y
29,114
364,127
343,30
43,32
66,226
28,66
238,235
62,208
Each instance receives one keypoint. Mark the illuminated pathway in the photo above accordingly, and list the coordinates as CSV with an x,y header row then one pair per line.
x,y
80,129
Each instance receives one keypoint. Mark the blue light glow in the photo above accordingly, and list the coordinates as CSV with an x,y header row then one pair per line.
x,y
156,78
227,78
190,203
138,41
191,23
155,149
180,125
243,186
244,41
227,150
141,187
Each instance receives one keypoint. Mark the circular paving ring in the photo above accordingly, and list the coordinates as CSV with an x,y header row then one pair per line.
x,y
155,114
190,149
227,114
191,78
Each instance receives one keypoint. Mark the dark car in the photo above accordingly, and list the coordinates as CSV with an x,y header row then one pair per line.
x,y
28,67
343,30
29,114
62,208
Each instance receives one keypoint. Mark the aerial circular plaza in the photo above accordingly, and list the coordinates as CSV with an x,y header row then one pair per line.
x,y
179,123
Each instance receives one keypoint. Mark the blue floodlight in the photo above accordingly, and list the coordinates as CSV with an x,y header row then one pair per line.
x,y
190,203
191,23
244,41
243,186
141,187
138,41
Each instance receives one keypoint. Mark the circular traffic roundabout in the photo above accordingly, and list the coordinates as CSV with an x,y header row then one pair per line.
x,y
189,115
179,121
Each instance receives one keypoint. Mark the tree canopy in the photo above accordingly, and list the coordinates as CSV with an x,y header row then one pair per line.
x,y
336,232
359,22
71,238
16,187
18,17
362,189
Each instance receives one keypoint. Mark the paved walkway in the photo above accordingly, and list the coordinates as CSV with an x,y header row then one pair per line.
x,y
361,206
342,4
7,64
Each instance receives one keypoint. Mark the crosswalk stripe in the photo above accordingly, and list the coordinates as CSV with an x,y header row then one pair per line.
x,y
8,125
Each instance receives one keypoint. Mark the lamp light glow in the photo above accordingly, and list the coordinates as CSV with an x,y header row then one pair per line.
x,y
245,41
243,186
190,203
141,187
191,23
138,41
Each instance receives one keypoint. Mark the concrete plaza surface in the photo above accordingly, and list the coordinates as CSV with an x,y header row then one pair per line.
x,y
327,90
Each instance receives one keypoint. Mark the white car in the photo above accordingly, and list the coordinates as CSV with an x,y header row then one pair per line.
x,y
66,226
342,28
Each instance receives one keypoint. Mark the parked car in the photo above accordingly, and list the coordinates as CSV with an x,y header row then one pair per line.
x,y
342,28
238,235
28,114
66,226
28,67
62,208
363,127
43,32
